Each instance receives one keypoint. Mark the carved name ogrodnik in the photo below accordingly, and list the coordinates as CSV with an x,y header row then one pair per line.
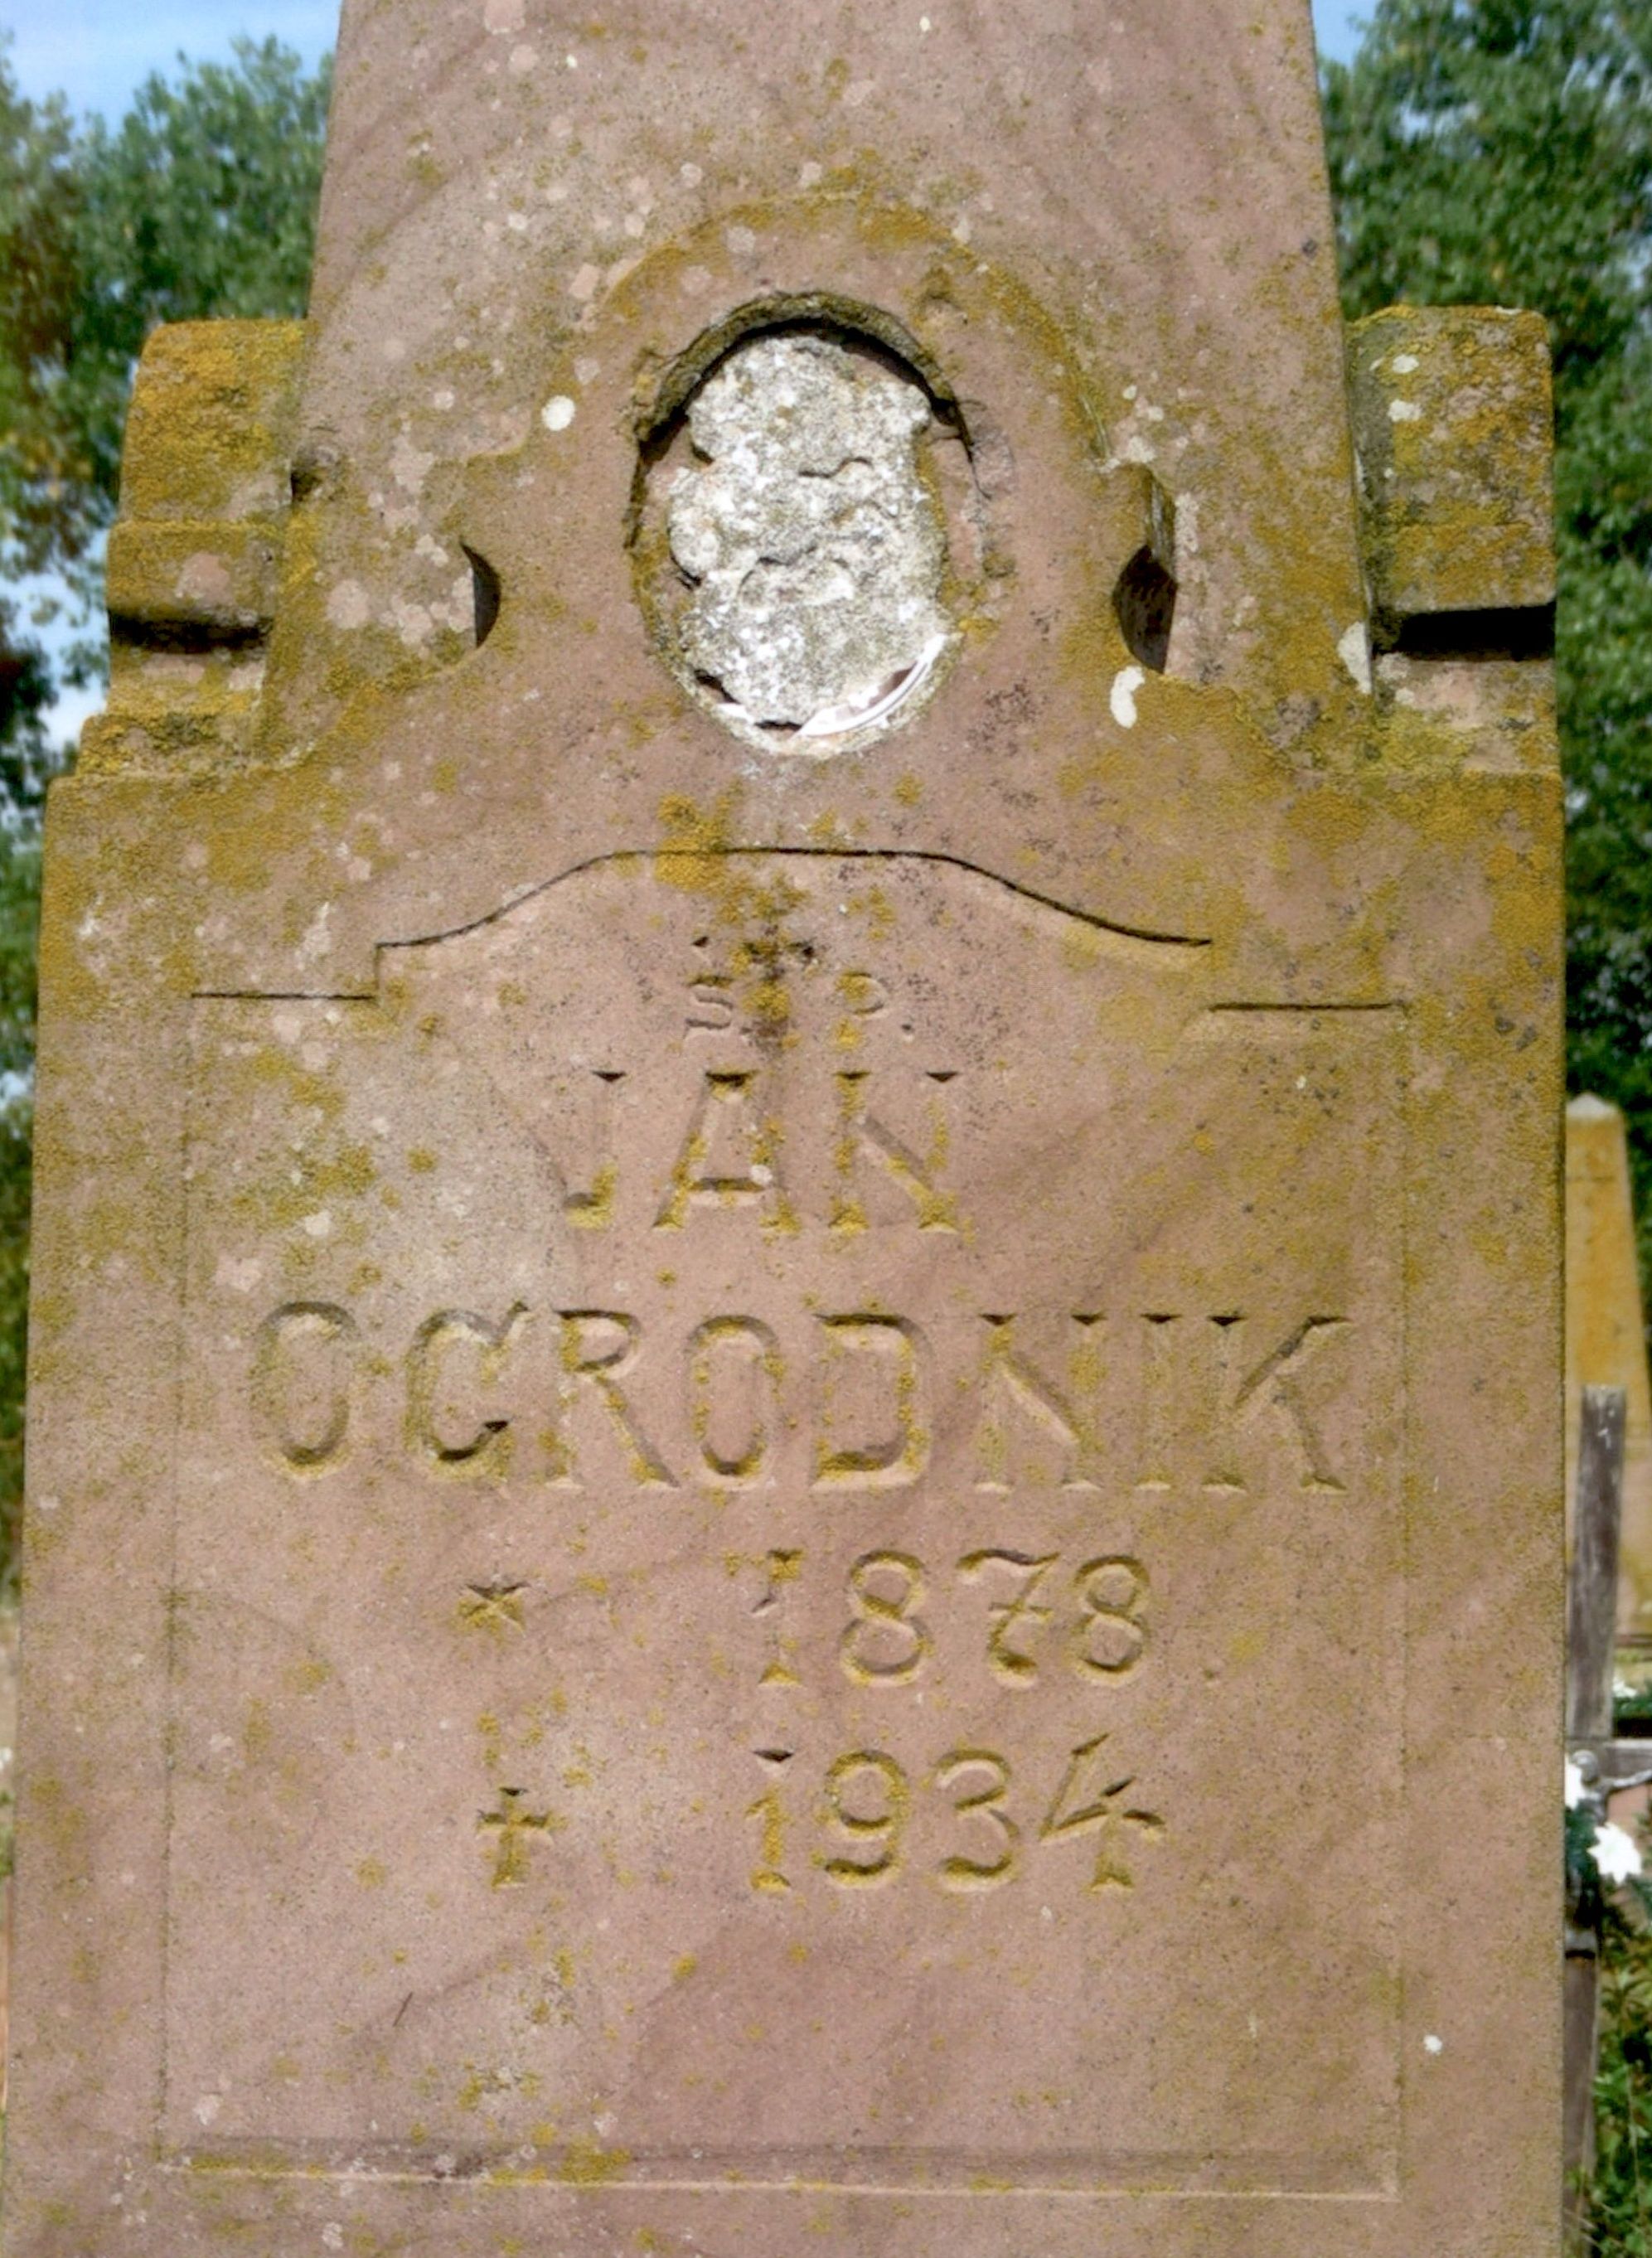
x,y
566,1397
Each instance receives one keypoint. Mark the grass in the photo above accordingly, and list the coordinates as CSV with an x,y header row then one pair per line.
x,y
1621,2195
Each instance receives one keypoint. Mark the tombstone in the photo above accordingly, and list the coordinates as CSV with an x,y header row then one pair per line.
x,y
796,1333
1606,1334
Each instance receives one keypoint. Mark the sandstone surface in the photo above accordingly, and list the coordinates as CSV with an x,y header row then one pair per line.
x,y
783,1478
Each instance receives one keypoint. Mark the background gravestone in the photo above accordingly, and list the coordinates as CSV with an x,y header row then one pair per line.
x,y
1605,1333
796,1343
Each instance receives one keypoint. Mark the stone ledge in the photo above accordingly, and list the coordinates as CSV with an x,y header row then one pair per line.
x,y
216,581
1453,434
194,560
209,435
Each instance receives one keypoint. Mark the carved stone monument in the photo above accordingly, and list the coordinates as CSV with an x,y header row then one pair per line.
x,y
795,1413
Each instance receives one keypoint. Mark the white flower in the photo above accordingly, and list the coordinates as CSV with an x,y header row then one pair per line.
x,y
1615,1853
1621,1689
1574,1786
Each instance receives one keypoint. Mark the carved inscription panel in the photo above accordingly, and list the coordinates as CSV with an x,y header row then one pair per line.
x,y
756,1518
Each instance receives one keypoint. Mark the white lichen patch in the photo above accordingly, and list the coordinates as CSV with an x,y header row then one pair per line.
x,y
205,579
1354,652
1121,697
349,605
410,465
814,545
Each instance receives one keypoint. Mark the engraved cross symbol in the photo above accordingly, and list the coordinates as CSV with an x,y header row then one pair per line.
x,y
513,1827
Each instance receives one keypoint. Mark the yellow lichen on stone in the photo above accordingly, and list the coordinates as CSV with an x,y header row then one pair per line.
x,y
195,557
586,2163
1453,420
210,431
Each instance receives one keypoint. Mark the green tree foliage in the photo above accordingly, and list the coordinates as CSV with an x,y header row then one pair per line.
x,y
199,203
26,762
1620,2188
19,921
41,477
1500,152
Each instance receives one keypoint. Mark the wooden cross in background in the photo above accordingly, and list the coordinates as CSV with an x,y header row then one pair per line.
x,y
1604,1763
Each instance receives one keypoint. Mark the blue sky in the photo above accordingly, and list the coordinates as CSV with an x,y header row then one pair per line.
x,y
97,51
1334,24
